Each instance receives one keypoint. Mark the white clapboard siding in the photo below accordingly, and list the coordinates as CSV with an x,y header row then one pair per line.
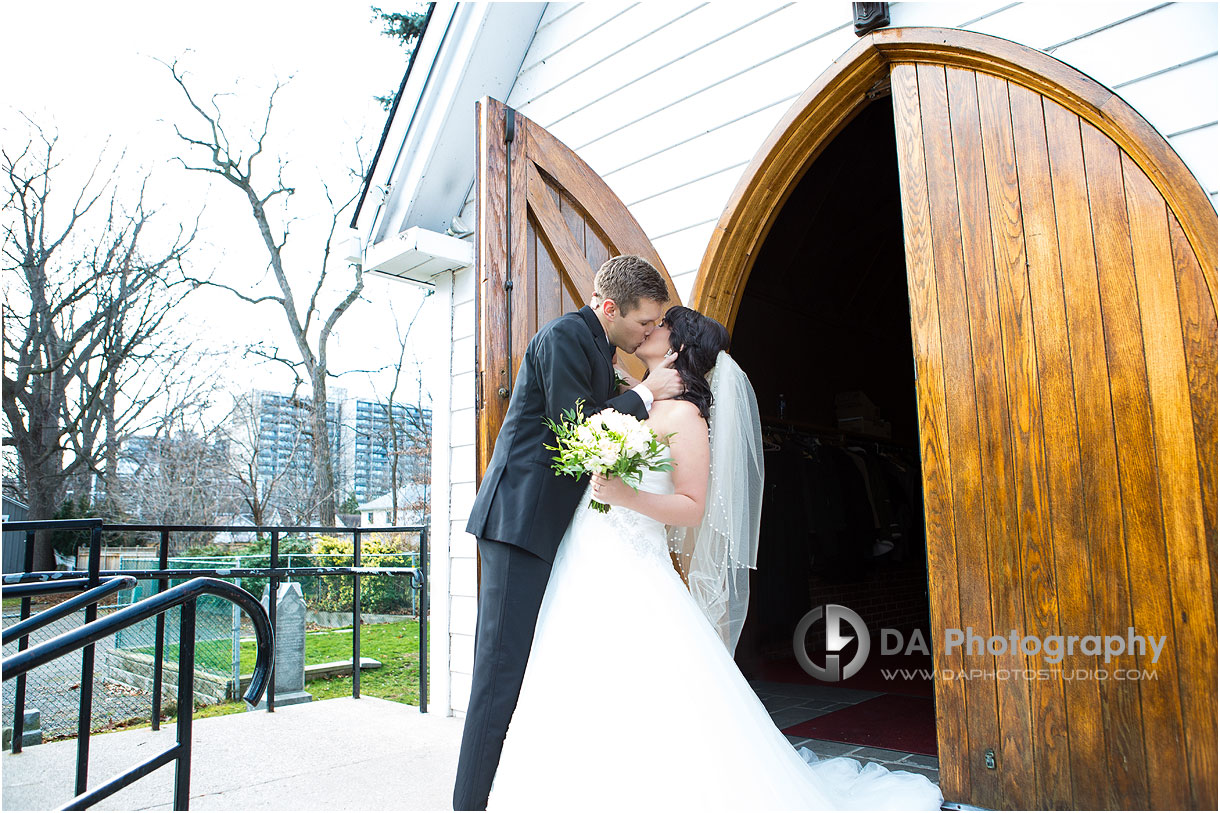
x,y
687,205
682,253
464,570
560,32
669,102
463,319
775,81
952,14
1170,99
657,52
463,544
461,690
553,12
465,610
696,65
440,644
1148,43
1031,24
731,144
462,659
599,46
1037,24
1198,150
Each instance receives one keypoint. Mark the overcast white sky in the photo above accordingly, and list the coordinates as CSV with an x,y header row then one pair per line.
x,y
87,71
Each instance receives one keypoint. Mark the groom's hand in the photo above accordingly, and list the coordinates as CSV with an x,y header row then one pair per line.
x,y
664,382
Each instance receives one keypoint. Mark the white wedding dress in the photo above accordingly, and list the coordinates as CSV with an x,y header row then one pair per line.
x,y
631,700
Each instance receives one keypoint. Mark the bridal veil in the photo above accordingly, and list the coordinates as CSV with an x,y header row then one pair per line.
x,y
719,553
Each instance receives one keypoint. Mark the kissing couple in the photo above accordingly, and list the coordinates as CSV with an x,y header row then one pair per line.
x,y
603,666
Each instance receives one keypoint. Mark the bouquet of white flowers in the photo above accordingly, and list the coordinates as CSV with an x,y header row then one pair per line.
x,y
609,443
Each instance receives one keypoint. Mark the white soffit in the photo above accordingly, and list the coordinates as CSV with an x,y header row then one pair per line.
x,y
470,50
418,254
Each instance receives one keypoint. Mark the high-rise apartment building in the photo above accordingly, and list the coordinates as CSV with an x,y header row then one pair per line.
x,y
373,447
285,437
362,444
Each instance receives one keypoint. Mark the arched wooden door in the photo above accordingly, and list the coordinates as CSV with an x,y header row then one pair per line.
x,y
545,224
1061,266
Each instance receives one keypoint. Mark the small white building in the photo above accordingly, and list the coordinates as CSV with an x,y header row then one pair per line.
x,y
996,219
379,512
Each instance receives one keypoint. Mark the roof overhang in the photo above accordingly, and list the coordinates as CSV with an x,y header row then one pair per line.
x,y
424,170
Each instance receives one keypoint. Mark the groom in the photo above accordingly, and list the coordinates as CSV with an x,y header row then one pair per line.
x,y
523,507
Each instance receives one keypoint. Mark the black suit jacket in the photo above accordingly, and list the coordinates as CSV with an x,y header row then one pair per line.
x,y
522,501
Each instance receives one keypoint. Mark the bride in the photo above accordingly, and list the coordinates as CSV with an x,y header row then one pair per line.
x,y
631,696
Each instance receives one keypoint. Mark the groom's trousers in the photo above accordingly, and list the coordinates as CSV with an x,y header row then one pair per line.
x,y
513,582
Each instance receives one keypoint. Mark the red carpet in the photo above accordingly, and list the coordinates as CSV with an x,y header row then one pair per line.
x,y
894,721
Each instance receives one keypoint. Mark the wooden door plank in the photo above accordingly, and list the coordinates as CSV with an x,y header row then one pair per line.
x,y
1052,787
550,304
590,191
1073,578
1176,455
1095,423
974,578
575,220
554,231
953,735
595,250
524,313
493,351
1165,757
1002,545
1199,335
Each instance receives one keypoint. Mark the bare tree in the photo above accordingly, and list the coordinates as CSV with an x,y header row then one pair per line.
x,y
84,315
177,476
227,161
173,471
405,428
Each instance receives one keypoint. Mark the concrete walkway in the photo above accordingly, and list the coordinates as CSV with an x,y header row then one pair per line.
x,y
343,754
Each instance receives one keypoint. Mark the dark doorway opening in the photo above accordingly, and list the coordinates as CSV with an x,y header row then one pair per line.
x,y
824,332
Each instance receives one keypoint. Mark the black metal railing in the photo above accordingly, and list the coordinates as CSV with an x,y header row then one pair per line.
x,y
34,582
183,595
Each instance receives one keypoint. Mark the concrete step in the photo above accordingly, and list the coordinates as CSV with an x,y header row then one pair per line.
x,y
366,754
322,670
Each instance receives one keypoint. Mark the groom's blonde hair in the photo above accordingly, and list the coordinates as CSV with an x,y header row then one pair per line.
x,y
627,279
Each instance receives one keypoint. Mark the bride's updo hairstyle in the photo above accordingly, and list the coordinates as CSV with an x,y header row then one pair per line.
x,y
703,338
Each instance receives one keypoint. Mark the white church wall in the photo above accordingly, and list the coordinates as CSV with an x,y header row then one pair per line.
x,y
463,584
669,102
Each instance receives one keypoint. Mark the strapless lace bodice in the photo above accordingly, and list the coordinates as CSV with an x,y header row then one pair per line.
x,y
641,534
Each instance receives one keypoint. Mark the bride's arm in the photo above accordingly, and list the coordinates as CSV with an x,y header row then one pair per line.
x,y
690,452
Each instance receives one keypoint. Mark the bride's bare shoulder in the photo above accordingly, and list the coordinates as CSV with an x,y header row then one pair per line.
x,y
674,412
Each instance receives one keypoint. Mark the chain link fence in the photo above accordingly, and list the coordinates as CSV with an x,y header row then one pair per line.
x,y
124,663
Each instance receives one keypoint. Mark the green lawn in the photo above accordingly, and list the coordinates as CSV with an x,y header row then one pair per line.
x,y
395,645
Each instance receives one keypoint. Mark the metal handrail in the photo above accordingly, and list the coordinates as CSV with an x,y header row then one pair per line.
x,y
156,604
85,524
64,608
185,595
38,583
52,577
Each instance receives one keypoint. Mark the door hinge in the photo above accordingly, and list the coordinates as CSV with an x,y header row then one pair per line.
x,y
478,387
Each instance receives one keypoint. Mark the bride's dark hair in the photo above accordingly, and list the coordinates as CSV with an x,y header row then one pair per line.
x,y
703,338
